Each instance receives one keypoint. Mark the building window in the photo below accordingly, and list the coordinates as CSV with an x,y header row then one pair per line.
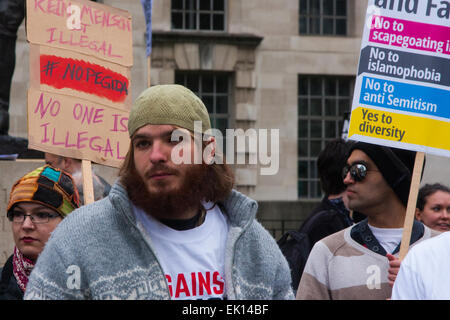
x,y
322,103
323,17
213,90
198,15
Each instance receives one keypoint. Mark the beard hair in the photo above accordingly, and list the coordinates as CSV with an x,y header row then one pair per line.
x,y
168,204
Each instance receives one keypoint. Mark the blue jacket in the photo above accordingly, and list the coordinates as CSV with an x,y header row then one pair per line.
x,y
100,251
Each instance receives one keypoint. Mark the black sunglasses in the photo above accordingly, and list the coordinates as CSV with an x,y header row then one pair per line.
x,y
358,171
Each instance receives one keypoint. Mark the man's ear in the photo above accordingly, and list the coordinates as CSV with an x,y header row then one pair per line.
x,y
67,164
417,214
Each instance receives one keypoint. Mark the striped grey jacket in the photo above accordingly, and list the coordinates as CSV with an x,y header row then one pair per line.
x,y
100,251
340,267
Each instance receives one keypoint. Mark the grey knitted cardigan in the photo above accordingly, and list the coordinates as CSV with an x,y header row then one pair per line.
x,y
100,251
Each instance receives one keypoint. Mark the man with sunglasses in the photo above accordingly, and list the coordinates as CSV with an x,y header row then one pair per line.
x,y
353,263
329,216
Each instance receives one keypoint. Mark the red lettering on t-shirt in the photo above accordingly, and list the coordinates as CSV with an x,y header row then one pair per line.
x,y
169,284
194,283
204,283
218,281
182,286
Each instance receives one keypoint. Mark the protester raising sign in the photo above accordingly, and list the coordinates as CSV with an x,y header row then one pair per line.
x,y
403,85
79,96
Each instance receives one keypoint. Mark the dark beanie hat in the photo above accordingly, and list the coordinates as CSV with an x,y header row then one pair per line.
x,y
396,166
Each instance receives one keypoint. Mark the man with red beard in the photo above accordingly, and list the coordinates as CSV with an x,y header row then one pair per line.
x,y
169,229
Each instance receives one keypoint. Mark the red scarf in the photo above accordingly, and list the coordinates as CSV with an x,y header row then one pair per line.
x,y
22,268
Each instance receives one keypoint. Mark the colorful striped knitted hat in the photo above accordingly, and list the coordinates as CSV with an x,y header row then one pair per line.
x,y
48,186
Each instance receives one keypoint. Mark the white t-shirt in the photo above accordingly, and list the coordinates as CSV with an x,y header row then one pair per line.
x,y
193,260
389,238
423,273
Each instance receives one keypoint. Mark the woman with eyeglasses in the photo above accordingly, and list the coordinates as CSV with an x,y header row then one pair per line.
x,y
38,202
433,206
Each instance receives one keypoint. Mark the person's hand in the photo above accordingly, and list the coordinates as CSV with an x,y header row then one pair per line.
x,y
394,267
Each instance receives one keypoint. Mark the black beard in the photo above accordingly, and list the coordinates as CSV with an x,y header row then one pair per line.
x,y
170,204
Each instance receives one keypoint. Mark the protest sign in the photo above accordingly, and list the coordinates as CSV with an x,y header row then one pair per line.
x,y
71,73
77,91
77,128
402,90
83,26
79,96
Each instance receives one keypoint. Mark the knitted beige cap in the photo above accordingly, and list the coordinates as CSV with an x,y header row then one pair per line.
x,y
168,104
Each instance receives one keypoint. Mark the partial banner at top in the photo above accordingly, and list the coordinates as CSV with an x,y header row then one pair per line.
x,y
402,90
147,7
83,26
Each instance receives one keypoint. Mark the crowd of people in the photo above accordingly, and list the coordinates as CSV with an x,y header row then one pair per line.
x,y
353,263
181,231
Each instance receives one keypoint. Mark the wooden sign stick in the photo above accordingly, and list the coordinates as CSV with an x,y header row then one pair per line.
x,y
88,185
412,203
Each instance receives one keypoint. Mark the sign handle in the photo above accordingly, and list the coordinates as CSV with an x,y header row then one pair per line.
x,y
412,203
88,186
